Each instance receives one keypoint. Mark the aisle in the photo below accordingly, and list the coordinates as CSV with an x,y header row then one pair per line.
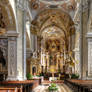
x,y
44,88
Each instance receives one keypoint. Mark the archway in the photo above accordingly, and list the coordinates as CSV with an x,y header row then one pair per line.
x,y
8,30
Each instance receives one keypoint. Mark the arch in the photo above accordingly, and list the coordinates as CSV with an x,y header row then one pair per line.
x,y
8,14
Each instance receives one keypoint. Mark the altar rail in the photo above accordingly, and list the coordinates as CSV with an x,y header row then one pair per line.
x,y
80,85
19,86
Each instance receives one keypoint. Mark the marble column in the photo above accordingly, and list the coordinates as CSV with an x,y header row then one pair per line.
x,y
21,40
77,60
83,41
47,62
35,42
30,68
31,41
89,72
57,64
12,55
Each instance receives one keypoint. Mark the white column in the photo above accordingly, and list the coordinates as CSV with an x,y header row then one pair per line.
x,y
31,39
36,42
12,55
24,48
89,36
21,40
32,42
77,60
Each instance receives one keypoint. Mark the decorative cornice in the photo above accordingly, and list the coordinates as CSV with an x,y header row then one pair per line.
x,y
54,2
12,34
89,35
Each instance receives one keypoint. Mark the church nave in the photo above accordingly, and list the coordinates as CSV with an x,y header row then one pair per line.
x,y
46,45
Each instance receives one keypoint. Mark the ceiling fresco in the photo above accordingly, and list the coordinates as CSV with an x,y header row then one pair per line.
x,y
52,20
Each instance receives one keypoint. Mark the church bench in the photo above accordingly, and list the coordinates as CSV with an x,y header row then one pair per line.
x,y
80,85
26,86
10,89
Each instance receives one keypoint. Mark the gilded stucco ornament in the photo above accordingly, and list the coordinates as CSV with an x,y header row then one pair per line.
x,y
53,45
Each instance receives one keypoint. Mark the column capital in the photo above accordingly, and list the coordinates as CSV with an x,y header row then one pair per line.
x,y
12,34
89,35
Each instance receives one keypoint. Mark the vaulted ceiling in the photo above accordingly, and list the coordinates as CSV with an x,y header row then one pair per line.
x,y
53,19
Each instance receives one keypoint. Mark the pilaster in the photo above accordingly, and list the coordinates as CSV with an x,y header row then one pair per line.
x,y
12,55
21,40
89,39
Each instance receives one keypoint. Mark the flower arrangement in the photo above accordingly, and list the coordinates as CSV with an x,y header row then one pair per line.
x,y
53,88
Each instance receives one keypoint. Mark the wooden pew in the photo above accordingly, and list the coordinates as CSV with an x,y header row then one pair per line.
x,y
8,89
24,86
80,85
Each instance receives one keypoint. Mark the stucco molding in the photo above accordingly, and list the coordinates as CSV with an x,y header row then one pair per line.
x,y
89,35
12,34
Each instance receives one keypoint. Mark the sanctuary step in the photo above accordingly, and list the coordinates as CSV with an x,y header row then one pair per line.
x,y
48,82
80,85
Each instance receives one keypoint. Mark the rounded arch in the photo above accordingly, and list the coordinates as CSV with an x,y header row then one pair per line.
x,y
8,15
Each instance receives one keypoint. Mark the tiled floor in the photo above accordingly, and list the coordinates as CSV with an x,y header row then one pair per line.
x,y
44,88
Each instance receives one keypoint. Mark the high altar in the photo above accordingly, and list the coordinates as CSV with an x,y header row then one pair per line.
x,y
52,56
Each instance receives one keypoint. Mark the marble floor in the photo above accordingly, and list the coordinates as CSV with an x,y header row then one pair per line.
x,y
44,88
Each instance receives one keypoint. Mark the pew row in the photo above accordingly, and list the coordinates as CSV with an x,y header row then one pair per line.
x,y
8,89
80,85
19,86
